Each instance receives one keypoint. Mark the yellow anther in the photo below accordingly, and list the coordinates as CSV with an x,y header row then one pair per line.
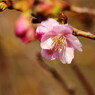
x,y
59,42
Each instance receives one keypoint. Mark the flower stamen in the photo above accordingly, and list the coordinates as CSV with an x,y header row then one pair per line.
x,y
59,42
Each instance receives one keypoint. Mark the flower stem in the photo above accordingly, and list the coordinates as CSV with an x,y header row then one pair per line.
x,y
78,32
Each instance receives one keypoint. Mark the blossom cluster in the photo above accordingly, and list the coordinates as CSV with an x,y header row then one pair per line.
x,y
56,40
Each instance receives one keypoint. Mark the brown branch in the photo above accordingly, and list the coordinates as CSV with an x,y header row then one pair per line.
x,y
78,32
56,75
80,10
82,78
66,6
76,9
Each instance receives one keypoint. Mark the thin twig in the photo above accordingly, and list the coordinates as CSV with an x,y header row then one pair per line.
x,y
83,10
66,6
78,32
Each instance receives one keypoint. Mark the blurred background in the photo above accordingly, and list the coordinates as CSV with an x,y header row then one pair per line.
x,y
23,72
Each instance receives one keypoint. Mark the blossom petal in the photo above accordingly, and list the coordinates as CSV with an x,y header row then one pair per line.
x,y
47,44
45,27
49,54
74,42
62,29
69,29
41,29
46,41
50,23
67,55
47,36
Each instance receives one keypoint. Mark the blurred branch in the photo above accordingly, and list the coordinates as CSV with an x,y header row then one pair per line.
x,y
78,32
56,75
82,78
80,10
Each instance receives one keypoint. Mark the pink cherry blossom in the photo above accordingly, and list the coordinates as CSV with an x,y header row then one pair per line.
x,y
24,29
57,41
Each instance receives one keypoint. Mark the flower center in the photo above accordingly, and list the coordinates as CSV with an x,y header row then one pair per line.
x,y
59,42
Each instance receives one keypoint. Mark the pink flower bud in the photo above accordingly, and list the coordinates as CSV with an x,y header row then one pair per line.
x,y
24,29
